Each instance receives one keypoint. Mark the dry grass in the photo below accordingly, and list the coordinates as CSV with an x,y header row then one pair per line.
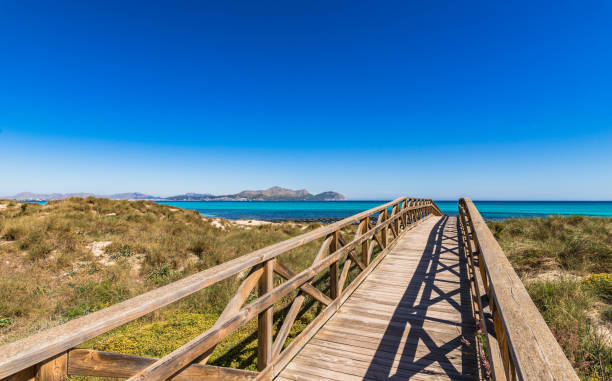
x,y
577,244
49,273
566,265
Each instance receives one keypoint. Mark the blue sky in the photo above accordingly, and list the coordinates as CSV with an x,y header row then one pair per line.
x,y
372,99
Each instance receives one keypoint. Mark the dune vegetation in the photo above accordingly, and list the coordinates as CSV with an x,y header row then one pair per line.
x,y
72,257
566,265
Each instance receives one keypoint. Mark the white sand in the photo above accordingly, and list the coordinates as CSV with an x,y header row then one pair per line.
x,y
251,222
97,249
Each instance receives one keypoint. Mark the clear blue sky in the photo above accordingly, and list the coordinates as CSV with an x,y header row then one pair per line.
x,y
494,100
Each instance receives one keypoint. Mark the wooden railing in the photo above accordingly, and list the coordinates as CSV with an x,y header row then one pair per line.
x,y
51,354
519,343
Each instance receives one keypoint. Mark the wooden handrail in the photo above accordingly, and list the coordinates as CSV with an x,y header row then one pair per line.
x,y
46,354
522,347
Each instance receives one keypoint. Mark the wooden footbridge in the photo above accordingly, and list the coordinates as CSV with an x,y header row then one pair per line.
x,y
414,294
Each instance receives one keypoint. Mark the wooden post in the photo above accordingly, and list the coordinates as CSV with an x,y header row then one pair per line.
x,y
365,226
334,268
265,319
53,369
385,242
409,213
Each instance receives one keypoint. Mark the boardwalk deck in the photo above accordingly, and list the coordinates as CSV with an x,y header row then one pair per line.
x,y
406,320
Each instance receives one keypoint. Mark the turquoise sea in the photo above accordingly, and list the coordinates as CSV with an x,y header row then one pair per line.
x,y
287,210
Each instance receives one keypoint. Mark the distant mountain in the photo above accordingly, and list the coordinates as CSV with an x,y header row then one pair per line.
x,y
270,194
191,197
28,196
132,196
283,194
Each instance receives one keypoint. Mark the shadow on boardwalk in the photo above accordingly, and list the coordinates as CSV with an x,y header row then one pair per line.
x,y
442,259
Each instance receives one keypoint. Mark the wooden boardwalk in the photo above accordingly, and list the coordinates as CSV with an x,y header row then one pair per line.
x,y
422,283
410,319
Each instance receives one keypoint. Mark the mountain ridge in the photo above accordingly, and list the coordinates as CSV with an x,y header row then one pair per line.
x,y
274,193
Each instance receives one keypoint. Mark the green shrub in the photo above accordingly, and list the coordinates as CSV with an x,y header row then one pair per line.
x,y
601,284
159,275
124,252
93,296
5,322
13,233
40,250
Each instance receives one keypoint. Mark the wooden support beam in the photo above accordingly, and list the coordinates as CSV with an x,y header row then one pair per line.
x,y
308,288
334,268
234,305
86,362
265,318
352,253
283,332
343,276
384,237
53,369
364,225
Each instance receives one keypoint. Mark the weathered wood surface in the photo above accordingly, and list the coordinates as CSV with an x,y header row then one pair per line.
x,y
407,319
104,364
528,348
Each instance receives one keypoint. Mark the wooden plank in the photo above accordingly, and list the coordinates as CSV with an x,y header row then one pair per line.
x,y
407,314
442,306
292,349
360,373
383,305
85,362
389,352
367,354
439,338
435,365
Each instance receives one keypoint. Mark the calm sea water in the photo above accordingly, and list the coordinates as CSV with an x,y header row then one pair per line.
x,y
286,210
